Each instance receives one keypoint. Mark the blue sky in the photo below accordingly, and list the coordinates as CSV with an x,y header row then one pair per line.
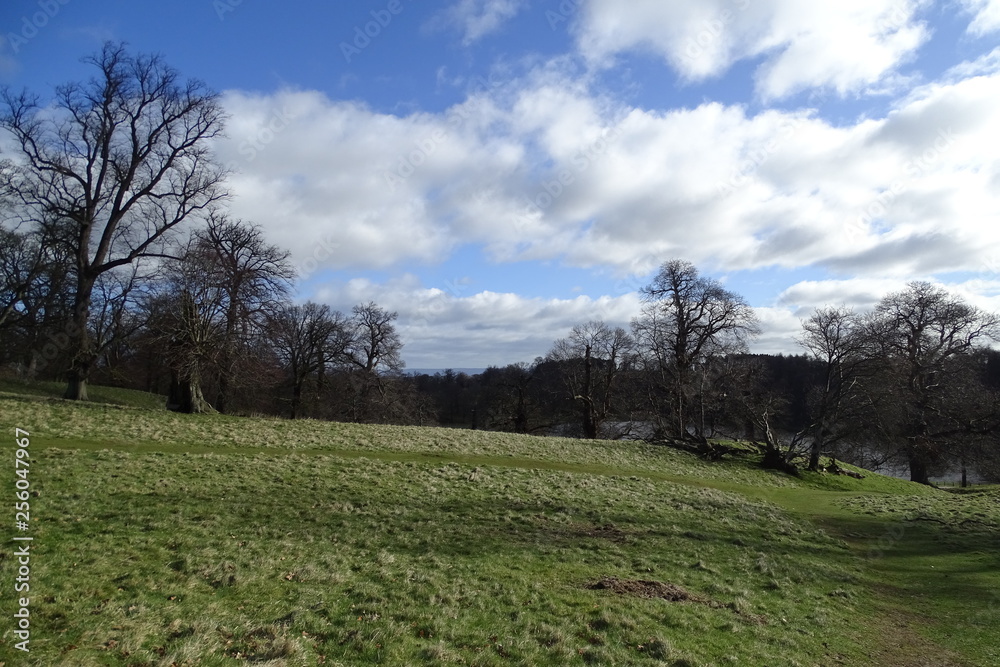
x,y
499,170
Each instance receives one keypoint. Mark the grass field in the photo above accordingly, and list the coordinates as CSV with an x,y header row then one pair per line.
x,y
163,539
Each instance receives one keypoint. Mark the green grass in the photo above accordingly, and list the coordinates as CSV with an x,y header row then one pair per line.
x,y
165,539
11,387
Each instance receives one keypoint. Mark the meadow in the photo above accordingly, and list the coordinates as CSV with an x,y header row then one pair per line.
x,y
165,539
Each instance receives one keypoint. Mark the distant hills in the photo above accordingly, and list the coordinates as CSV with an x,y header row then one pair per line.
x,y
432,371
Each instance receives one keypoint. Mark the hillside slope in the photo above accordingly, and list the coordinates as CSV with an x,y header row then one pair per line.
x,y
174,539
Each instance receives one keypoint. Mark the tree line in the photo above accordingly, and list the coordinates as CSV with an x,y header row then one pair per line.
x,y
120,265
103,277
912,383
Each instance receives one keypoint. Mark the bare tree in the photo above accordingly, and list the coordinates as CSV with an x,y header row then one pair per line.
x,y
375,350
922,336
376,346
119,163
592,359
22,262
34,273
835,337
758,405
118,315
508,400
307,338
688,320
252,279
189,313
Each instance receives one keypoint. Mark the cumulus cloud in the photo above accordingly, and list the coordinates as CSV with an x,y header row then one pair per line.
x,y
831,44
545,170
453,326
986,16
345,186
911,191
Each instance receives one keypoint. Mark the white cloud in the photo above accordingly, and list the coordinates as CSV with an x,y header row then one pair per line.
x,y
479,18
859,294
542,169
454,326
844,45
338,183
986,16
778,329
8,64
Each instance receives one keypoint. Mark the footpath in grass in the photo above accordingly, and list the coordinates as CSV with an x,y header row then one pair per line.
x,y
291,552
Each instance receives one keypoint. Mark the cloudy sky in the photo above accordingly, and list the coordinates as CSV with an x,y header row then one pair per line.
x,y
499,170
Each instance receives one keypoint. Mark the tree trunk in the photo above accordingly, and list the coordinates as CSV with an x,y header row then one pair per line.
x,y
186,396
589,423
918,469
774,459
521,416
681,425
296,398
81,347
814,452
222,396
76,389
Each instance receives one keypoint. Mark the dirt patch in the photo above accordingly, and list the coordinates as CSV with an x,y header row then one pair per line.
x,y
643,588
580,530
608,532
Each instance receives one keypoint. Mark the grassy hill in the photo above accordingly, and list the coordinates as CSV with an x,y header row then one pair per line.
x,y
108,395
164,539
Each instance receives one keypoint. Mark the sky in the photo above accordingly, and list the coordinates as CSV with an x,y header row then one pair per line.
x,y
498,171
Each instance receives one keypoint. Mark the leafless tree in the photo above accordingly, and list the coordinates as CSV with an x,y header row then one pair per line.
x,y
840,402
34,273
923,337
374,351
759,406
118,163
688,319
251,279
307,338
22,262
187,316
509,401
593,359
376,345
